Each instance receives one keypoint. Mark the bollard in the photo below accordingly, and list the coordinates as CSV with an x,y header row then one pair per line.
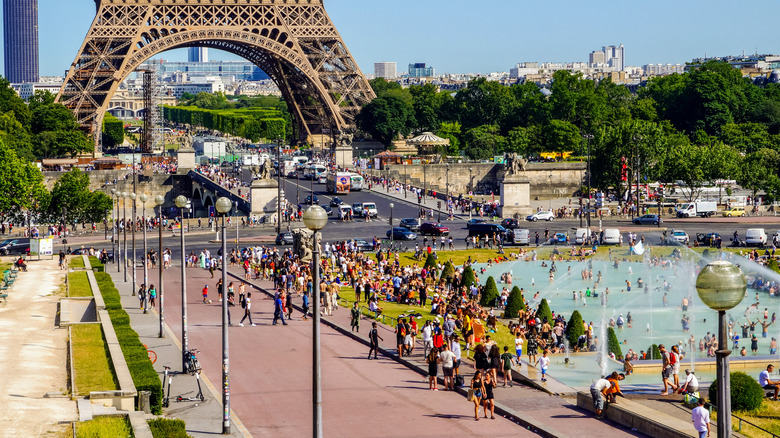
x,y
144,403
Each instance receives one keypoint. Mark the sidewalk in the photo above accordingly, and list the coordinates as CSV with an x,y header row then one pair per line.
x,y
203,419
533,409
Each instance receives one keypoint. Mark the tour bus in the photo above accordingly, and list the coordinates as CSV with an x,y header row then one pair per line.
x,y
314,171
339,183
357,183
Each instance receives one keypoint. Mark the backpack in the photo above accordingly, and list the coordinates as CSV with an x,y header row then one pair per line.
x,y
672,358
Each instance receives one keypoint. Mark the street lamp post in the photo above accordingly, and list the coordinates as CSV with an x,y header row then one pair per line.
x,y
124,231
405,176
279,183
391,221
468,194
588,137
181,202
425,182
114,213
143,198
132,259
223,207
447,198
721,286
315,219
158,201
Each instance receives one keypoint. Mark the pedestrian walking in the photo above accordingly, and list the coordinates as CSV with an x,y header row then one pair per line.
x,y
477,392
247,305
433,368
373,340
152,295
205,293
355,318
701,419
279,308
488,399
142,295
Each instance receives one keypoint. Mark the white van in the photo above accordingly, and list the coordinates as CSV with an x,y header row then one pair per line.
x,y
522,236
581,235
612,237
755,237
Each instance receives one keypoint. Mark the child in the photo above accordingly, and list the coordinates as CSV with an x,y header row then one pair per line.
x,y
206,294
544,361
507,358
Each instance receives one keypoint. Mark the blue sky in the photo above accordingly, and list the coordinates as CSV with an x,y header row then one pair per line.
x,y
458,36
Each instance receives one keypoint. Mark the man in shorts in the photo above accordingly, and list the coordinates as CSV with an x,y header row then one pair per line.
x,y
400,336
506,361
666,370
519,347
598,390
766,383
447,358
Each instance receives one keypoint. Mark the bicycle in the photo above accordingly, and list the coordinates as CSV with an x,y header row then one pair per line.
x,y
192,365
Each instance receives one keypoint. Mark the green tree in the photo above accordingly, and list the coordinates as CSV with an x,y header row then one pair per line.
x,y
544,313
746,137
11,102
483,142
113,131
514,303
613,344
448,272
381,85
55,130
483,102
430,263
524,141
21,186
71,198
759,171
489,293
451,132
385,118
562,136
467,278
424,103
574,328
16,136
746,393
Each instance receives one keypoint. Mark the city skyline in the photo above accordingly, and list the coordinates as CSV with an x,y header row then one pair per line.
x,y
487,41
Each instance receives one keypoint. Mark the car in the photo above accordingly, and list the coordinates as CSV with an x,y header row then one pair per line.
x,y
311,199
475,221
648,219
327,209
85,251
363,245
708,238
560,238
734,211
284,238
434,229
357,209
398,233
542,215
335,202
410,224
509,224
679,236
15,246
521,236
322,179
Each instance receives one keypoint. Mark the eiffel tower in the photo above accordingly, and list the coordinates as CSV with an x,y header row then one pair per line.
x,y
293,41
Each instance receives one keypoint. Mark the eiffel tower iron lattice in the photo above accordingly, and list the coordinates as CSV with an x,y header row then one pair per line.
x,y
293,41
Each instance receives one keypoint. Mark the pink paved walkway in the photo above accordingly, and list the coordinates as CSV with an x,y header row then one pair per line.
x,y
271,383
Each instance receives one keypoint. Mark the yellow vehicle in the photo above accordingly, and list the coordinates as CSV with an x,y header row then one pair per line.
x,y
734,211
556,155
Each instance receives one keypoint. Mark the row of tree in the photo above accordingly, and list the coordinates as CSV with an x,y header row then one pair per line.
x,y
705,125
39,128
23,194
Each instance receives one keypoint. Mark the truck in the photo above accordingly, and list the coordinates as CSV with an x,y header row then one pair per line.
x,y
699,208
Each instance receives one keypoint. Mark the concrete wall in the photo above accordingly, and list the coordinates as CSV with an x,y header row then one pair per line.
x,y
548,180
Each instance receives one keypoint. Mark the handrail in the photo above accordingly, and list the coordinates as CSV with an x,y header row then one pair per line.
x,y
742,420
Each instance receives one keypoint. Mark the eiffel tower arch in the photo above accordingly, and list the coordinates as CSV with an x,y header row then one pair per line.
x,y
293,41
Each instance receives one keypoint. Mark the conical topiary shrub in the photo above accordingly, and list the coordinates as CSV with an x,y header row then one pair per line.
x,y
468,278
613,344
430,263
544,312
746,393
574,328
489,293
514,303
448,272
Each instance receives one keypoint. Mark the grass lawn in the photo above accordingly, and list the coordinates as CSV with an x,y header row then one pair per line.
x,y
115,427
78,284
76,262
90,361
502,336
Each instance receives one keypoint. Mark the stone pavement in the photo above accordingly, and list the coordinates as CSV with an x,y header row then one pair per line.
x,y
33,356
271,369
203,418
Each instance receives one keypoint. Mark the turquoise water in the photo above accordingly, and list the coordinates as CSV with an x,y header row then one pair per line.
x,y
655,307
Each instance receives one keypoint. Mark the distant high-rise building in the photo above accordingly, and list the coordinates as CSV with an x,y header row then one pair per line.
x,y
20,33
419,70
615,57
387,70
198,54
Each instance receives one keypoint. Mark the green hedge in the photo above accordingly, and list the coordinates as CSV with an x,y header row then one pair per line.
x,y
113,131
514,304
614,344
489,293
574,329
251,123
97,266
746,393
168,428
144,376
